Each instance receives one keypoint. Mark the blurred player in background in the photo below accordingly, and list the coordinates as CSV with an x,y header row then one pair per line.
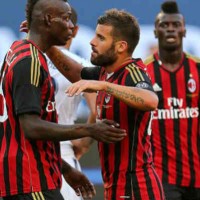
x,y
176,125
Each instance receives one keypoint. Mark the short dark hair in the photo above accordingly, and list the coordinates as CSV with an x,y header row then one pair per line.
x,y
29,10
125,26
170,7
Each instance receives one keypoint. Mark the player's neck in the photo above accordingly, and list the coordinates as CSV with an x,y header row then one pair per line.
x,y
170,59
117,64
38,41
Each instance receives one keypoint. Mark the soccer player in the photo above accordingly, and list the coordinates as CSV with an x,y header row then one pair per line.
x,y
125,94
71,151
30,162
175,128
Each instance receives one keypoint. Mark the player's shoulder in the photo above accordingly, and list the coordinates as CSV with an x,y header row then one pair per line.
x,y
136,63
192,57
149,59
136,67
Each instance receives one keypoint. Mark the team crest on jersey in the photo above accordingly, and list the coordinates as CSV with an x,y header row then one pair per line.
x,y
191,85
107,98
51,106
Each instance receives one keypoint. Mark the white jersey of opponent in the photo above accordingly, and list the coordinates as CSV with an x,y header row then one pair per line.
x,y
67,113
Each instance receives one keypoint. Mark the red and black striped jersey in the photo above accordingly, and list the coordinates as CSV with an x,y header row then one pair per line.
x,y
26,87
175,127
127,165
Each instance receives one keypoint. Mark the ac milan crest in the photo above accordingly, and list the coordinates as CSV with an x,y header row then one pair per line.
x,y
107,98
191,85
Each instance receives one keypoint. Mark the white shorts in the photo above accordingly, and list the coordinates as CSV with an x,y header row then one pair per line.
x,y
68,155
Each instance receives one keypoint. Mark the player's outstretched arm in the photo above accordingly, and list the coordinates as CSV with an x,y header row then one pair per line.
x,y
66,65
138,98
37,129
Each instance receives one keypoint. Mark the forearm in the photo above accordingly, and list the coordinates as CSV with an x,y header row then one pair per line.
x,y
91,102
36,129
66,168
82,146
91,118
138,98
141,99
66,65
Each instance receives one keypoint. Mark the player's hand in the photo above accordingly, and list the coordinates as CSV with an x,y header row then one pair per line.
x,y
85,86
24,27
107,131
79,182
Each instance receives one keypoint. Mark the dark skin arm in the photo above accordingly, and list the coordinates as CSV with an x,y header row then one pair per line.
x,y
37,129
66,65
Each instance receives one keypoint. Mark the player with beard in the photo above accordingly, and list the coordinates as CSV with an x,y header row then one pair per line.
x,y
175,128
125,94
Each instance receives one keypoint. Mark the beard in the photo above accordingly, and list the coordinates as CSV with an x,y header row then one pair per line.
x,y
105,59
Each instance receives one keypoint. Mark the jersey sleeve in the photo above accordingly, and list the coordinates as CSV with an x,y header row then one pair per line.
x,y
91,73
26,86
138,78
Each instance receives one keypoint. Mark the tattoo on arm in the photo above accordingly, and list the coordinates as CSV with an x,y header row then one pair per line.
x,y
58,61
125,96
61,65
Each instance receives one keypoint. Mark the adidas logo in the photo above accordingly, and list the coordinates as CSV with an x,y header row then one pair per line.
x,y
156,87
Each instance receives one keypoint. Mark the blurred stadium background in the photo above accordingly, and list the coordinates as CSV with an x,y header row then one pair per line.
x,y
13,12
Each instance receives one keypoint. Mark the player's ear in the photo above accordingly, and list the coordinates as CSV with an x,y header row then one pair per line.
x,y
47,19
121,46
